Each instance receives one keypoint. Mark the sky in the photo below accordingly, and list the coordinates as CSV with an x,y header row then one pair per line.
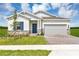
x,y
66,10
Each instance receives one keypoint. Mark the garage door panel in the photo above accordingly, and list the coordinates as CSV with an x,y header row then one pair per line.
x,y
51,30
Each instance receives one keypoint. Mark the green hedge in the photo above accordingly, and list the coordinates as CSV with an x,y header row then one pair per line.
x,y
74,27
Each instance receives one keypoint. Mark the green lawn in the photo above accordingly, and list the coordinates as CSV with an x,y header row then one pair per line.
x,y
74,31
23,40
24,52
3,31
20,41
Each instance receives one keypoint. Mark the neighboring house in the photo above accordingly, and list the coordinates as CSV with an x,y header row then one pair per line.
x,y
38,23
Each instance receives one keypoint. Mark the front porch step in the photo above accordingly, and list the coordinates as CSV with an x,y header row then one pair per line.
x,y
33,34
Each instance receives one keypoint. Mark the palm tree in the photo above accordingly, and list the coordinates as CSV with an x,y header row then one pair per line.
x,y
14,23
14,20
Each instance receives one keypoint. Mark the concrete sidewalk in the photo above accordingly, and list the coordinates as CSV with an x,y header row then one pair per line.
x,y
64,53
35,47
57,50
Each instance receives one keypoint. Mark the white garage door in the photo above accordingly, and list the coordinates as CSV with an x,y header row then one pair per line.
x,y
55,29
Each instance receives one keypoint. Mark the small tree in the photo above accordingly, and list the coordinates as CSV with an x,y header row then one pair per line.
x,y
14,20
14,23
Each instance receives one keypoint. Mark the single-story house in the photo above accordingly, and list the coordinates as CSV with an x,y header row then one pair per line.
x,y
40,22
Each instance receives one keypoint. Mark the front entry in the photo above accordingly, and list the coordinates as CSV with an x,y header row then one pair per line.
x,y
34,28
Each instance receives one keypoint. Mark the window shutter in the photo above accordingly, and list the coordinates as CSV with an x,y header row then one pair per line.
x,y
21,24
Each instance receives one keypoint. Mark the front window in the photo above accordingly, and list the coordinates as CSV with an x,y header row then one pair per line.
x,y
19,26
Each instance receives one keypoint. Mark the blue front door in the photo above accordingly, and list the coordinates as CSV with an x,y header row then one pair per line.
x,y
34,28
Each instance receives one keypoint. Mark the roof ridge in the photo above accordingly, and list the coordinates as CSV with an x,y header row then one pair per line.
x,y
33,14
49,14
24,12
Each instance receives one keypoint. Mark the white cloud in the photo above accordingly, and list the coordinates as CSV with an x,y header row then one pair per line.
x,y
64,9
35,8
63,12
43,7
58,5
55,5
68,13
9,7
25,7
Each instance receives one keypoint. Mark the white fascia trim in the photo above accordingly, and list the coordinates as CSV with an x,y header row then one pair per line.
x,y
56,23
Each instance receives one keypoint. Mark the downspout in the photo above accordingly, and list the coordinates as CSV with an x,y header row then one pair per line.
x,y
69,29
69,26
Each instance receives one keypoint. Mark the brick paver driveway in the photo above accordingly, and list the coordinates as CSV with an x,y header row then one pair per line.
x,y
61,39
